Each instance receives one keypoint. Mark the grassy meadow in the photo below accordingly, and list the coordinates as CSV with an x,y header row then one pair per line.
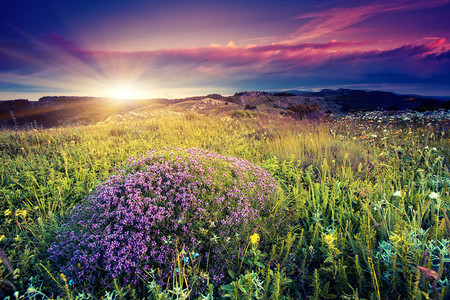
x,y
360,212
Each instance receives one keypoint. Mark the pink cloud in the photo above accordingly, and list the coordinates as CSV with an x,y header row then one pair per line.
x,y
67,66
335,19
230,59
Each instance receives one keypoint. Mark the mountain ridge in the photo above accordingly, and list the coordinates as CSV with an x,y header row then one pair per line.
x,y
50,111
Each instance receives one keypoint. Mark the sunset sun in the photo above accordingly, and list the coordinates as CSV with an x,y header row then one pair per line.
x,y
124,92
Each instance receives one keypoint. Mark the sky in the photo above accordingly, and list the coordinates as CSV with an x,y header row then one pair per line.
x,y
171,49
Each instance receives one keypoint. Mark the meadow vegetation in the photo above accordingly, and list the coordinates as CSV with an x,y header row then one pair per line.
x,y
358,209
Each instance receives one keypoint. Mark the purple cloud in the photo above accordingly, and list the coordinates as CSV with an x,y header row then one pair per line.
x,y
338,18
54,62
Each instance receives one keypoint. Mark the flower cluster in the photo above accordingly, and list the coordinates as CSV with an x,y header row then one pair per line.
x,y
405,115
160,205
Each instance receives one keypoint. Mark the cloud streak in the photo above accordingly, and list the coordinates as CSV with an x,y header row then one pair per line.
x,y
59,64
335,19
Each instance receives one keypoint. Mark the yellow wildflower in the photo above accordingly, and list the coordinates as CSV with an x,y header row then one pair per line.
x,y
329,239
254,238
7,212
2,237
21,213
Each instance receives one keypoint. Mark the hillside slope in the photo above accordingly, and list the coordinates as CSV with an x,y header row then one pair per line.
x,y
64,110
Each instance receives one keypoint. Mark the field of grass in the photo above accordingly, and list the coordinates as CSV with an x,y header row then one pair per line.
x,y
360,212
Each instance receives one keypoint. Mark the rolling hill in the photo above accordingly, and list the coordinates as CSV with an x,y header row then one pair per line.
x,y
53,111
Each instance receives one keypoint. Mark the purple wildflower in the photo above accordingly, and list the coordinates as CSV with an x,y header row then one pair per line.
x,y
156,206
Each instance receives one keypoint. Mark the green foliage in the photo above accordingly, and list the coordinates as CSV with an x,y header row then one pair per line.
x,y
363,211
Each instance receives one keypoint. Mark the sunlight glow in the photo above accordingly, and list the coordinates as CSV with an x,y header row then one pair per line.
x,y
124,92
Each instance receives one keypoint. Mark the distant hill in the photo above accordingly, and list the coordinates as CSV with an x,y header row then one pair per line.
x,y
53,111
359,100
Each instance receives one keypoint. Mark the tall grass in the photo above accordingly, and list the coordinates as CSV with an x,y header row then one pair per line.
x,y
364,204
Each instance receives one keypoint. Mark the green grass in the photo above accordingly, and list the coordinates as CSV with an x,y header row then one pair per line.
x,y
344,232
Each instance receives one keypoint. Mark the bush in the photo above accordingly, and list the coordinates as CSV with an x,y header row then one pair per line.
x,y
168,206
304,111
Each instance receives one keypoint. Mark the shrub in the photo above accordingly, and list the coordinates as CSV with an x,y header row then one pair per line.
x,y
302,111
177,204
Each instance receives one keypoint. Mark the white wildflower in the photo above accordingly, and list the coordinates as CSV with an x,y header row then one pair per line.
x,y
433,195
397,194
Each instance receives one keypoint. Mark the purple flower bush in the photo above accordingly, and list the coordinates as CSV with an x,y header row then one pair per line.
x,y
160,205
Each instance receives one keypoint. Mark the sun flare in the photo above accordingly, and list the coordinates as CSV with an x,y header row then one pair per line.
x,y
124,92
